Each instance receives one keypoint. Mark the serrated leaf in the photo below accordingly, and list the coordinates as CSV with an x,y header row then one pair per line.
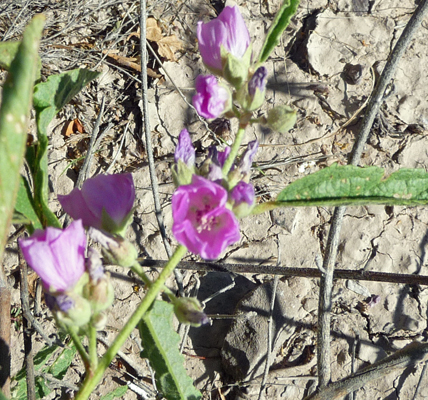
x,y
161,343
49,97
24,205
59,367
351,185
118,392
280,23
14,115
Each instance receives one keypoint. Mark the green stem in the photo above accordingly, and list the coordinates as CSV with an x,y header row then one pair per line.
x,y
139,271
91,381
233,151
79,346
93,347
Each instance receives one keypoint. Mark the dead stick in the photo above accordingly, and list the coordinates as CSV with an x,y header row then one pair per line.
x,y
5,340
359,275
326,282
410,355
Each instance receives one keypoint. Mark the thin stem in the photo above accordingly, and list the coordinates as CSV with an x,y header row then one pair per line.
x,y
93,347
233,151
91,381
140,272
79,346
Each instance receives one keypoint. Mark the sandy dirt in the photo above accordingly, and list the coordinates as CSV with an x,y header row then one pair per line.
x,y
324,67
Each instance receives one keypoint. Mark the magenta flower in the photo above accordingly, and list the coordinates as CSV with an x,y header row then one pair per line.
x,y
104,202
211,99
243,193
202,222
56,255
227,30
185,150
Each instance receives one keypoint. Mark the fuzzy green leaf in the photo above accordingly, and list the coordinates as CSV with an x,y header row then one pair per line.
x,y
281,21
160,343
14,115
350,185
118,392
49,97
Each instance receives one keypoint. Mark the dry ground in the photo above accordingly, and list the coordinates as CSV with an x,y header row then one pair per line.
x,y
308,71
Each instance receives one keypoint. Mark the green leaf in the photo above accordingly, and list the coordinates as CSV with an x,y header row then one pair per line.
x,y
350,185
118,392
14,115
59,367
161,343
24,205
42,389
49,97
281,21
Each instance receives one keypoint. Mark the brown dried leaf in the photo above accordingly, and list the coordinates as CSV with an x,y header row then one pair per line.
x,y
154,33
168,46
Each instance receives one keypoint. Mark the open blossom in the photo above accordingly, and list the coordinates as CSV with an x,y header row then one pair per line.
x,y
229,31
202,222
211,99
56,255
104,202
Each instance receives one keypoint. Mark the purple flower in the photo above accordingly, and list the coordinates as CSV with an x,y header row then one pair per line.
x,y
210,99
257,81
104,202
202,222
248,156
185,150
227,30
242,193
56,255
222,155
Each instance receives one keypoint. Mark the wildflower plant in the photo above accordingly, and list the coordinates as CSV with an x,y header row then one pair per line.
x,y
207,203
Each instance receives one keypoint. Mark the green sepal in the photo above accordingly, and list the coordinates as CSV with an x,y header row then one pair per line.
x,y
235,70
182,173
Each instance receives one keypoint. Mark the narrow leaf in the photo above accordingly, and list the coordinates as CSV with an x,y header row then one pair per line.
x,y
160,343
14,114
49,97
24,205
281,21
118,392
350,185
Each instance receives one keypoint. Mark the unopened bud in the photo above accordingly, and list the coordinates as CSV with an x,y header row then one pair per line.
x,y
281,119
188,311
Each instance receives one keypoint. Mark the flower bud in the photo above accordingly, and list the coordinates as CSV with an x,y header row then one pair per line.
x,y
69,309
116,250
211,99
99,293
188,311
99,321
242,197
281,119
252,96
184,157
